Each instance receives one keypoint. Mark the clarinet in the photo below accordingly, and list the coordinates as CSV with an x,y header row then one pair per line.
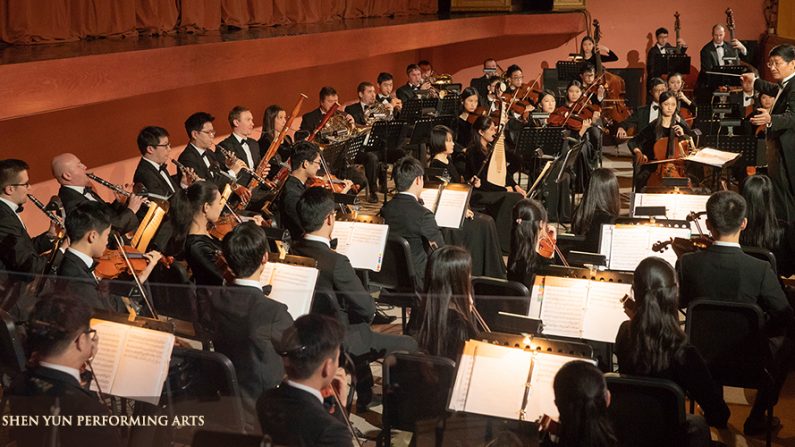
x,y
52,216
230,155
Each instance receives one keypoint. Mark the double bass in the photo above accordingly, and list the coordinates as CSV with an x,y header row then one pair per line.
x,y
614,107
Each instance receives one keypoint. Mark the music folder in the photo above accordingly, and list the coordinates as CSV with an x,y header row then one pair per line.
x,y
572,304
292,282
629,241
506,382
131,361
448,202
362,242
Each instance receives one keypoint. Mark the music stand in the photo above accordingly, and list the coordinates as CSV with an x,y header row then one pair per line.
x,y
450,104
715,80
569,70
708,116
548,139
663,64
413,109
388,132
745,145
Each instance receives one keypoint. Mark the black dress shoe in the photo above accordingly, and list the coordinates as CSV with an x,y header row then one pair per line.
x,y
382,318
758,426
372,198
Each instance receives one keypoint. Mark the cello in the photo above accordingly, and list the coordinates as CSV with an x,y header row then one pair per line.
x,y
669,154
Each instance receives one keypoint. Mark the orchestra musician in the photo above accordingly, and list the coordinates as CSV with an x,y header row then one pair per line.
x,y
293,413
305,164
19,252
661,46
247,322
644,115
446,319
514,77
601,204
676,84
528,228
386,83
481,84
88,227
152,169
60,334
273,121
582,399
408,218
588,52
76,188
712,55
206,163
192,211
414,84
469,104
779,122
478,233
642,145
426,69
764,228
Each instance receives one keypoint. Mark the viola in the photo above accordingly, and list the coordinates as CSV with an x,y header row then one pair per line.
x,y
330,182
547,244
482,111
222,226
564,117
111,264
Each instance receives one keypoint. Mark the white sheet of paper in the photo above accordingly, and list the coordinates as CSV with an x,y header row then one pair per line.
x,y
363,243
451,208
626,245
712,157
605,313
140,373
536,296
293,285
678,206
106,361
483,383
429,196
563,306
542,395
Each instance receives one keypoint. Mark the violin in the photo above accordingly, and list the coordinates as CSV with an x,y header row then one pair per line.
x,y
548,245
481,111
682,245
564,117
524,99
548,428
111,264
332,183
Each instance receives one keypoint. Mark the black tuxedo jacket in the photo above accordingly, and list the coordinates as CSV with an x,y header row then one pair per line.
x,y
481,84
191,159
33,394
231,143
709,56
297,418
417,224
357,112
310,120
18,251
153,181
405,93
121,217
246,324
75,278
728,274
782,128
288,202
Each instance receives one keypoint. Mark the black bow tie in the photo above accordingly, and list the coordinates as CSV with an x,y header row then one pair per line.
x,y
655,107
267,289
93,266
333,243
88,191
242,142
422,202
204,155
19,209
163,168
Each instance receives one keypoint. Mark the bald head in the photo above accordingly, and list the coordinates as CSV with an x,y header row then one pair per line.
x,y
69,170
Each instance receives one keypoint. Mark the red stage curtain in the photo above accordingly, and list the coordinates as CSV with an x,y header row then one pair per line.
x,y
29,22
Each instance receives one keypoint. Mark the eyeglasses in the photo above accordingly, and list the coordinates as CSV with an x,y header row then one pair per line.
x,y
26,185
168,145
208,132
777,63
317,162
92,334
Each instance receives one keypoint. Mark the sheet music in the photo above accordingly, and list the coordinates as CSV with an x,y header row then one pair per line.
x,y
542,394
536,296
293,285
677,206
363,243
484,385
106,361
451,208
140,374
563,306
626,245
712,157
605,313
429,197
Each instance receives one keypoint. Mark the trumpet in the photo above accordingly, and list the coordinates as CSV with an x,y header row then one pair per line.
x,y
231,156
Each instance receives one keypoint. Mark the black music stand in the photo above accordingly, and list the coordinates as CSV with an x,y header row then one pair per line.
x,y
708,116
451,103
568,173
548,139
745,145
414,109
387,131
422,132
569,70
663,64
716,80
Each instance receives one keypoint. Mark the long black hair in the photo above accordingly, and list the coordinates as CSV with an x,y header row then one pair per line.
x,y
269,120
184,205
763,229
581,398
655,333
481,124
528,216
602,195
448,288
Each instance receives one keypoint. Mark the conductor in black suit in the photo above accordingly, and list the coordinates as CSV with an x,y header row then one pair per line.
x,y
247,322
724,272
59,332
88,227
293,414
780,122
18,251
206,163
337,277
408,218
247,150
152,169
76,188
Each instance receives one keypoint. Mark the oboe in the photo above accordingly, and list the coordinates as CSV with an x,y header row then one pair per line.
x,y
191,174
116,188
52,216
231,155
